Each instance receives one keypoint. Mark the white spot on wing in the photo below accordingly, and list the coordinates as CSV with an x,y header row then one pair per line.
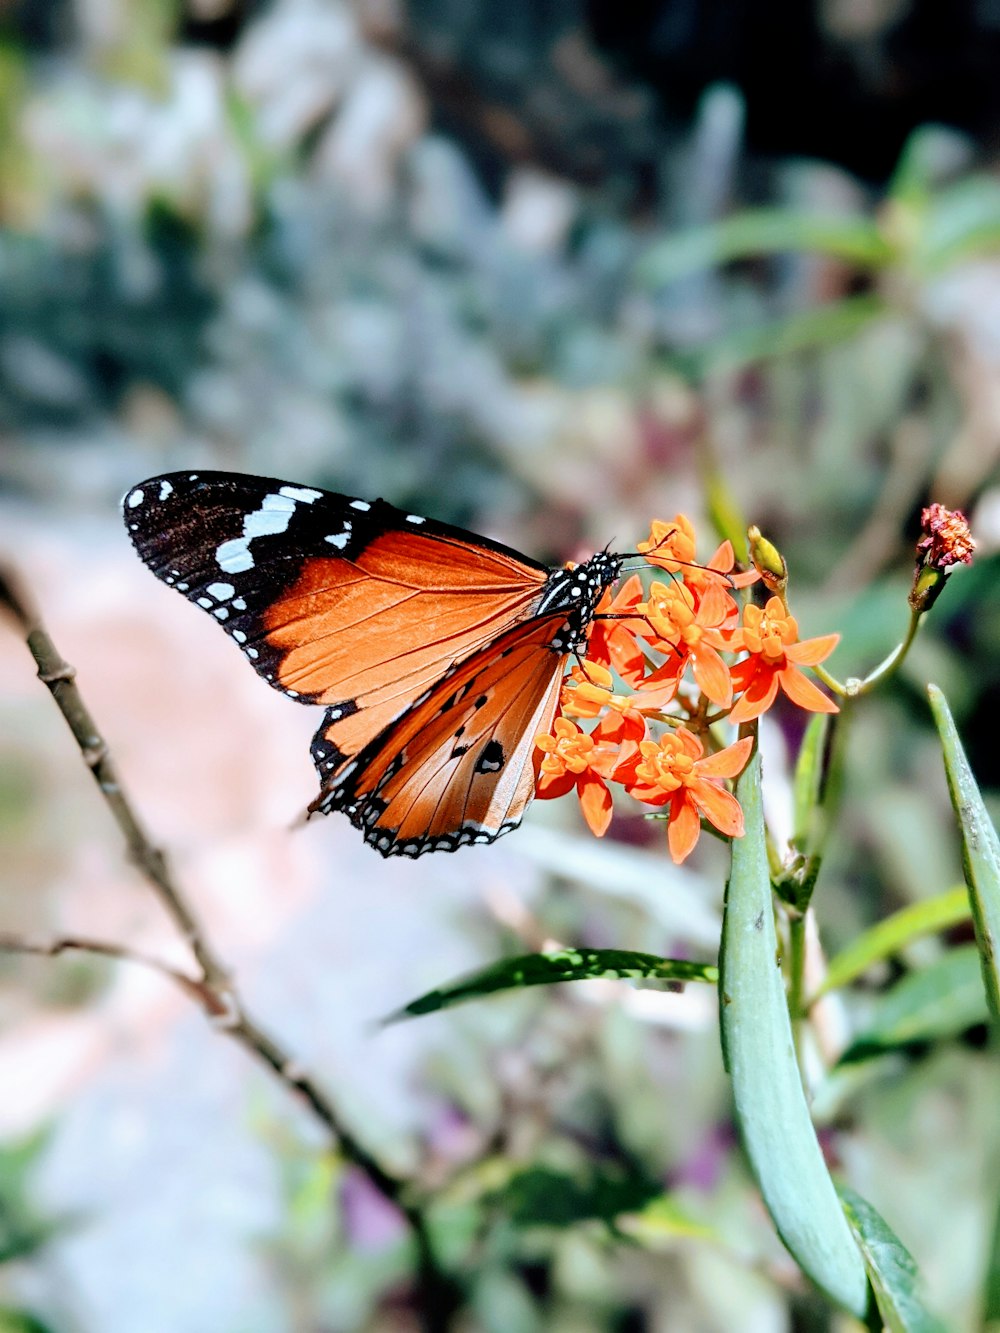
x,y
339,539
136,498
220,591
222,612
252,652
165,489
360,504
239,604
272,518
415,518
205,602
239,636
233,557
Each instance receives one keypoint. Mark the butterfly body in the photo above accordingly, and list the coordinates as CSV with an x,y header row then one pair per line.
x,y
437,654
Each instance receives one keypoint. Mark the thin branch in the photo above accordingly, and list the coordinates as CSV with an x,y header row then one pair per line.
x,y
60,678
101,948
214,989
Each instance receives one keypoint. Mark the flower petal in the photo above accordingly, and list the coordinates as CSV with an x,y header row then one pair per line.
x,y
551,785
686,740
728,762
803,692
711,675
595,802
683,829
760,695
811,651
715,603
719,807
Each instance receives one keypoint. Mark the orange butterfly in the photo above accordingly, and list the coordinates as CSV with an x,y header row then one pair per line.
x,y
439,655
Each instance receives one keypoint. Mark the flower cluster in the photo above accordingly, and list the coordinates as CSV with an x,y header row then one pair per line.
x,y
665,663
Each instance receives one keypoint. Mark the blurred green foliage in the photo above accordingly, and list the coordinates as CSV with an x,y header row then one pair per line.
x,y
236,290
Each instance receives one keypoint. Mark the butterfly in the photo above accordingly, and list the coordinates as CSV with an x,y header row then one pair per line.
x,y
437,654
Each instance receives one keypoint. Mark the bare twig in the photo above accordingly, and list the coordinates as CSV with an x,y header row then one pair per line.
x,y
100,948
213,988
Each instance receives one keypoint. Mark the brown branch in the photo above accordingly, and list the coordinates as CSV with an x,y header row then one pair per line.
x,y
214,989
103,949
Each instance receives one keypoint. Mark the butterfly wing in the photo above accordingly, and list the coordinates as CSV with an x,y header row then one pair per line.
x,y
334,600
458,767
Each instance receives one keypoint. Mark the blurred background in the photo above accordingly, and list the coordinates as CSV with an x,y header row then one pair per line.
x,y
547,270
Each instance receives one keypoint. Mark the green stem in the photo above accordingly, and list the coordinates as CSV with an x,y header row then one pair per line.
x,y
854,688
796,966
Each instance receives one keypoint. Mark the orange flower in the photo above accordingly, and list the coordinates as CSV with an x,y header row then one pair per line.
x,y
771,636
587,692
612,636
670,545
573,758
689,630
674,772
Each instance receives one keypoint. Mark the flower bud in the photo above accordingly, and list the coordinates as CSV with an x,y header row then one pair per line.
x,y
768,561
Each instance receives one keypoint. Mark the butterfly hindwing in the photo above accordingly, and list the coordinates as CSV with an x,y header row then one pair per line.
x,y
457,768
334,600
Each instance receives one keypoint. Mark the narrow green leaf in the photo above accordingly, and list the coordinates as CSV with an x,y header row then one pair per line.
x,y
891,1269
543,969
938,1001
759,1051
541,1196
808,783
662,1221
959,222
980,847
894,933
991,1283
764,231
803,331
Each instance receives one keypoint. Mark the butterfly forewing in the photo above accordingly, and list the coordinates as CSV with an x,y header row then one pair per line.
x,y
333,600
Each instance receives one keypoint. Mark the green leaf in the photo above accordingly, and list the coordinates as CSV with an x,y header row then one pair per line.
x,y
834,322
544,1197
893,934
763,231
959,222
991,1283
759,1050
543,969
891,1269
22,1231
662,1221
938,1001
21,1321
980,847
808,785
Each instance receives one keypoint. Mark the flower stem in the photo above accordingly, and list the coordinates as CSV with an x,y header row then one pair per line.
x,y
853,688
796,966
